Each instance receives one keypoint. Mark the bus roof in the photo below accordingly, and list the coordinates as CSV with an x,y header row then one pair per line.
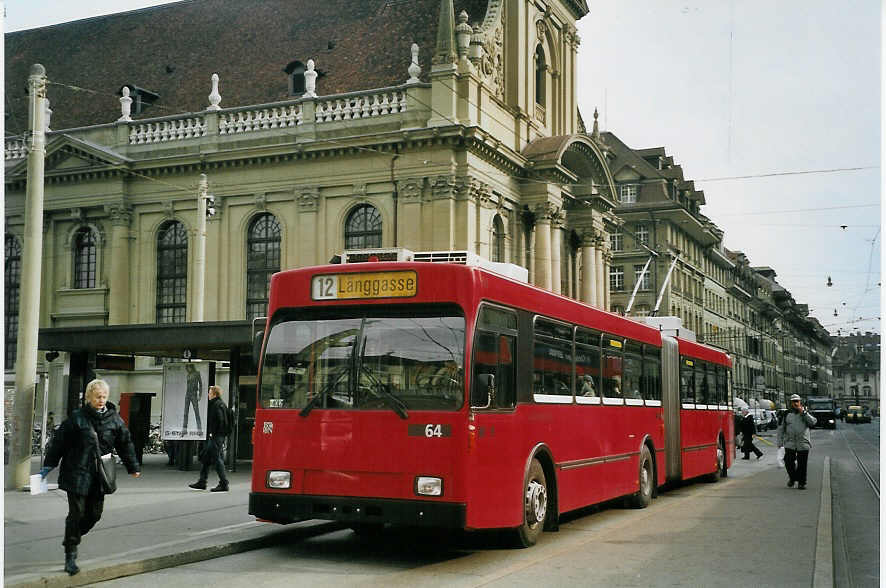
x,y
465,285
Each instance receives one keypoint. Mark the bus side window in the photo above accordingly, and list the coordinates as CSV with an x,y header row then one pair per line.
x,y
651,373
687,382
612,370
494,356
633,362
711,384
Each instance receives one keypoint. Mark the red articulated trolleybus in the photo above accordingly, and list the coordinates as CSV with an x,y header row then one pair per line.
x,y
451,395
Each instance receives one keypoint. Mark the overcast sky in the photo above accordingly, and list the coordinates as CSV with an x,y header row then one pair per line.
x,y
732,89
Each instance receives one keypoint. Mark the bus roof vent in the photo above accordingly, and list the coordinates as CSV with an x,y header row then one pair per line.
x,y
669,325
509,270
389,254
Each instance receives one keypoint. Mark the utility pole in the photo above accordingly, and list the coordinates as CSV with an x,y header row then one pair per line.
x,y
200,254
29,312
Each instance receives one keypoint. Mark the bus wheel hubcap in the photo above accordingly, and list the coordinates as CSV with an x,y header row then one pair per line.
x,y
644,480
536,503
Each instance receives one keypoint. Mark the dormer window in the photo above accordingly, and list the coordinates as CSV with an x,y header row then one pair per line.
x,y
296,72
627,194
142,99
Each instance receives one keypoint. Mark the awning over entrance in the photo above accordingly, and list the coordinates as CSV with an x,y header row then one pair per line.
x,y
205,340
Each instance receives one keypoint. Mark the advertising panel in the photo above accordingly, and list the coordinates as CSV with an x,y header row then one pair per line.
x,y
185,401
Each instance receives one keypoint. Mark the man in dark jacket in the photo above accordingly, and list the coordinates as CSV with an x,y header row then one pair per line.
x,y
747,432
217,428
91,431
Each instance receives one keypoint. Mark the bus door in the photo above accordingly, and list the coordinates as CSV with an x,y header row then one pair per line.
x,y
495,459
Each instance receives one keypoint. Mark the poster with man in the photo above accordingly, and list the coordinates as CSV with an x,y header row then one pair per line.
x,y
185,401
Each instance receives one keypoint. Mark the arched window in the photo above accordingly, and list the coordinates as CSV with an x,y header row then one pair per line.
x,y
540,71
262,260
498,239
363,228
84,258
13,277
172,273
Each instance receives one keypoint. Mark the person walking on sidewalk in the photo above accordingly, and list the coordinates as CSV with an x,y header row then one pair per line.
x,y
747,434
793,435
218,427
90,431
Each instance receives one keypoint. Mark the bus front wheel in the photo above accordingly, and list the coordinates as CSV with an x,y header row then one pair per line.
x,y
535,505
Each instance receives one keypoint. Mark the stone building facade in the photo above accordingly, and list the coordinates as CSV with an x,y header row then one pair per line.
x,y
427,125
857,371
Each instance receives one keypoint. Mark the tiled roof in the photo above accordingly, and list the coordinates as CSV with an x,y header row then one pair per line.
x,y
173,50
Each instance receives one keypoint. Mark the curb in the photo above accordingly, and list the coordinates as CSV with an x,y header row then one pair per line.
x,y
112,569
823,574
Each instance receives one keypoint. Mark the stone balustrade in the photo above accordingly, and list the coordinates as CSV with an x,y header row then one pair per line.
x,y
228,122
357,105
166,130
251,120
16,149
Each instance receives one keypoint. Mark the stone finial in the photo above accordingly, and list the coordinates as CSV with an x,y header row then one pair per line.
x,y
310,81
444,52
463,34
214,96
414,67
125,106
48,115
596,132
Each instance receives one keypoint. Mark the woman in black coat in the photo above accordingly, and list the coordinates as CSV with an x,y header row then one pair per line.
x,y
74,444
748,428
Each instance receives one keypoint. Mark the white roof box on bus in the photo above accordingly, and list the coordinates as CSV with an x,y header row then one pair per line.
x,y
509,270
388,254
669,325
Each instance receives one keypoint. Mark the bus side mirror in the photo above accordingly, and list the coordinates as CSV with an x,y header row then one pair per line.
x,y
256,346
484,391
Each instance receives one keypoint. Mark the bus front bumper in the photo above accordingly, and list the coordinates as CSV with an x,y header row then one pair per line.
x,y
291,508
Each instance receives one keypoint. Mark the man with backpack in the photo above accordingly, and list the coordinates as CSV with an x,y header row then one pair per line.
x,y
219,423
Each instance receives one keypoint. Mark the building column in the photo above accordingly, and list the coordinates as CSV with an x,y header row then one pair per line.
x,y
607,265
557,222
599,295
119,274
588,271
542,240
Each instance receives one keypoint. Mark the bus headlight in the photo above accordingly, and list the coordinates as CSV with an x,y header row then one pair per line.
x,y
428,486
279,479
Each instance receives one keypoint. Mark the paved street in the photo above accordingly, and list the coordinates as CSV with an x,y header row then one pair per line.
x,y
700,534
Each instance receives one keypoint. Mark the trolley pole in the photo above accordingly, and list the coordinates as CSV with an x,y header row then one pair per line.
x,y
29,312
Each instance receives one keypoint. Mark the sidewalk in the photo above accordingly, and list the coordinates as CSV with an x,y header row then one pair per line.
x,y
150,523
155,522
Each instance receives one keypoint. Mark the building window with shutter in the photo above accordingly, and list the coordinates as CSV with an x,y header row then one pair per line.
x,y
84,258
363,228
616,278
262,260
172,273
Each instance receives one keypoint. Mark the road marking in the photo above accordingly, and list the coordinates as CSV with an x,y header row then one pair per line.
x,y
823,575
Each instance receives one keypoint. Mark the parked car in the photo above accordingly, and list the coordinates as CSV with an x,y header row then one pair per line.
x,y
858,414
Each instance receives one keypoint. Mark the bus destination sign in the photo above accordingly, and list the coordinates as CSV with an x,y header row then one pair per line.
x,y
369,285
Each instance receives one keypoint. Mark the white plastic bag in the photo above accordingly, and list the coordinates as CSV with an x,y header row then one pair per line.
x,y
780,457
39,484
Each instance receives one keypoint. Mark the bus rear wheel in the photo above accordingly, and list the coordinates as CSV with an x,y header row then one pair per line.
x,y
535,505
721,464
646,481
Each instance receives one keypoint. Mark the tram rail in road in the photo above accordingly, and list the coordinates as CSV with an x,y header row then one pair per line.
x,y
874,483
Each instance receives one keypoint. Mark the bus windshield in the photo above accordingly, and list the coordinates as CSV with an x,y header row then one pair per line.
x,y
362,360
820,405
